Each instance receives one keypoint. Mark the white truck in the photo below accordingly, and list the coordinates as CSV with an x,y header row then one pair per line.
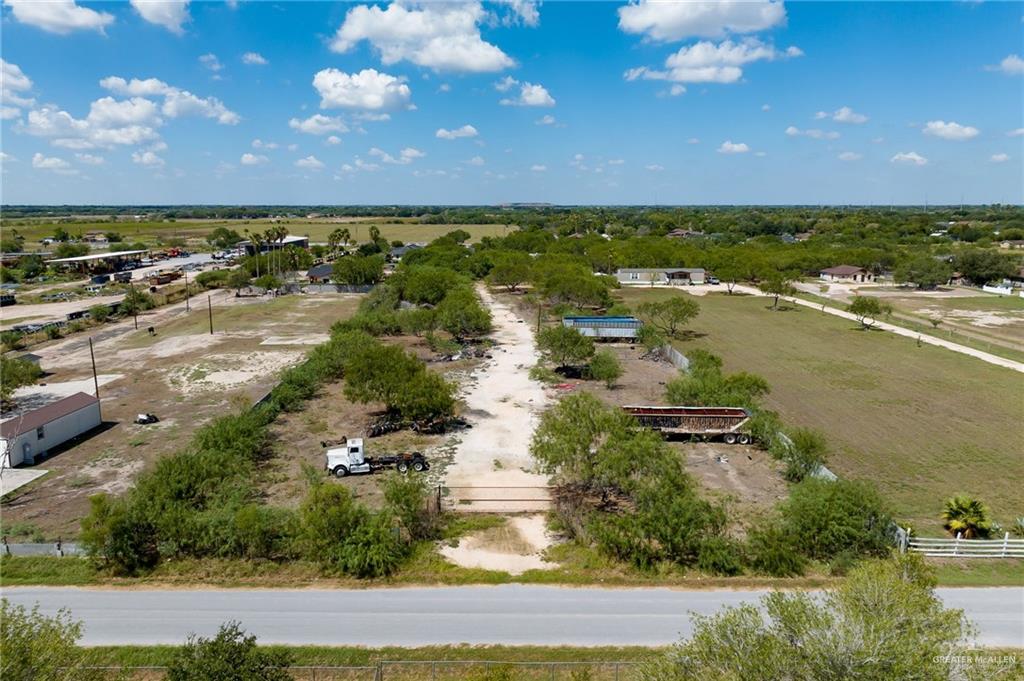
x,y
348,457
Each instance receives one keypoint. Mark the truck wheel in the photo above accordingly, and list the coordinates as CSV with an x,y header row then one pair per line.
x,y
744,439
340,471
419,465
730,438
403,467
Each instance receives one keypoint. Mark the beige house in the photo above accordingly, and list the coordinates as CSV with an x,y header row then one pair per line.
x,y
847,274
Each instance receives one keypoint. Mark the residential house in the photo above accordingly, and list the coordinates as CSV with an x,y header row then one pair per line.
x,y
847,274
27,436
320,274
672,276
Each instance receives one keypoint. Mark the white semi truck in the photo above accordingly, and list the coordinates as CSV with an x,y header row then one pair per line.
x,y
348,457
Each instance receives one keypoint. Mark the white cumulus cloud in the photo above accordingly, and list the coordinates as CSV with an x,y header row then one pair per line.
x,y
729,147
668,21
950,131
211,62
476,161
707,62
546,119
14,86
813,133
90,159
1016,132
368,89
333,141
911,158
177,102
1011,65
530,94
254,59
318,124
405,156
310,163
654,168
850,156
848,115
59,16
57,165
999,158
171,14
538,168
253,159
260,144
147,159
440,36
465,131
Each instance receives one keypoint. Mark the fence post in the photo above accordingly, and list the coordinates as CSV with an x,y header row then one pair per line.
x,y
1006,544
956,546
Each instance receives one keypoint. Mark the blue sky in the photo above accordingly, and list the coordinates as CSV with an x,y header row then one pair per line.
x,y
561,102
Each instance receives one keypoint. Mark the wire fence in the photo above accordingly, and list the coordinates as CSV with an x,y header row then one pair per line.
x,y
423,670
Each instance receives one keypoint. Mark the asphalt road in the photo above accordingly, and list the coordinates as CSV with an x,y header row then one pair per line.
x,y
507,614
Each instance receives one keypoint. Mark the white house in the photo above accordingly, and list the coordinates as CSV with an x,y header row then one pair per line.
x,y
27,436
676,276
847,273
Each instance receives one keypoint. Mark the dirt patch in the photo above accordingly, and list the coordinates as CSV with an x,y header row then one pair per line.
x,y
110,458
219,372
515,547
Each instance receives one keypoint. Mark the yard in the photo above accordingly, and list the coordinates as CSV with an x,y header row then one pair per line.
x,y
182,374
921,422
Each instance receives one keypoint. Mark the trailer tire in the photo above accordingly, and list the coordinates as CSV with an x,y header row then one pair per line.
x,y
403,466
744,439
340,471
419,465
729,438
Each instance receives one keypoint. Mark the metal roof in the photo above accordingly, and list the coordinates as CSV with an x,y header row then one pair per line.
x,y
29,421
656,270
844,270
97,256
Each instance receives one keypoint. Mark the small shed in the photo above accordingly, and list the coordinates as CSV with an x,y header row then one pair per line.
x,y
26,437
605,328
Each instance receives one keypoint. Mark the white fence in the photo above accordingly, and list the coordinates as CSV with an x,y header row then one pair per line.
x,y
966,548
1000,290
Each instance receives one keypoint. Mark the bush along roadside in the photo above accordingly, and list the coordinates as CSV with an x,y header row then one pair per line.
x,y
204,501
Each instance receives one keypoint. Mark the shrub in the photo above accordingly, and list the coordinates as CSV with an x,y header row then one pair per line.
x,y
543,374
214,278
228,656
374,550
99,313
967,517
358,270
650,338
604,366
565,346
36,646
772,551
380,373
268,281
806,455
670,315
461,314
117,537
427,396
15,373
12,340
827,518
408,498
427,284
53,332
763,427
261,532
720,556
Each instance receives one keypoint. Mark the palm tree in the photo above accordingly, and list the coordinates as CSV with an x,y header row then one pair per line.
x,y
966,517
254,239
346,236
333,240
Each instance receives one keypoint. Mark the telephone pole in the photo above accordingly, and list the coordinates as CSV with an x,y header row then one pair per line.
x,y
187,308
135,309
95,378
209,306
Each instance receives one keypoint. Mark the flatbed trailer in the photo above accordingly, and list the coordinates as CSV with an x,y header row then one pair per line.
x,y
704,422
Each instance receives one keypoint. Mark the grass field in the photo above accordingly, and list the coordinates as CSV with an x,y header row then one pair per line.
x,y
921,422
317,231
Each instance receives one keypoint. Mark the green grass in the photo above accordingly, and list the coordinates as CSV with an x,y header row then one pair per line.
x,y
317,231
910,318
977,572
922,423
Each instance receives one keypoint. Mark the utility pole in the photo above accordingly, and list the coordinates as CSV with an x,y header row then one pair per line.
x,y
209,306
187,308
135,309
95,378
